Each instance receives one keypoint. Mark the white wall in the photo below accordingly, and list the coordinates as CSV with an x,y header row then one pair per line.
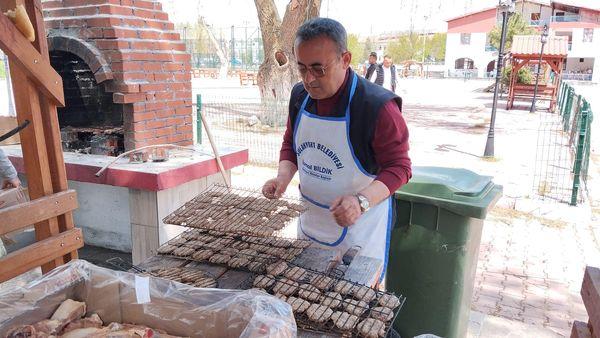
x,y
526,8
585,49
475,51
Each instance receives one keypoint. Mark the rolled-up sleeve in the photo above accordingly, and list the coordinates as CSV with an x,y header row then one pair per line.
x,y
390,145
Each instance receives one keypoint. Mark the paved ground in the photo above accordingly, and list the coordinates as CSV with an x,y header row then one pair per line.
x,y
533,251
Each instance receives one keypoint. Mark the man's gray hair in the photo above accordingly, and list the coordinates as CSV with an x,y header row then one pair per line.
x,y
329,28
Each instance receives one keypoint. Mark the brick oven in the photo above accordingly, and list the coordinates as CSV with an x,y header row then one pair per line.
x,y
125,72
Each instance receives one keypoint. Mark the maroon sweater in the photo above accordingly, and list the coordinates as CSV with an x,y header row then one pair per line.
x,y
390,142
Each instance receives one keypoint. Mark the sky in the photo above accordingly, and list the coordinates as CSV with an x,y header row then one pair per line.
x,y
379,16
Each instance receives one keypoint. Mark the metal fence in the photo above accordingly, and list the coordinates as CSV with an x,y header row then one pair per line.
x,y
246,122
563,149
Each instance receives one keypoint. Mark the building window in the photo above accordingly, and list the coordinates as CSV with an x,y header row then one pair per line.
x,y
580,59
535,16
465,38
588,34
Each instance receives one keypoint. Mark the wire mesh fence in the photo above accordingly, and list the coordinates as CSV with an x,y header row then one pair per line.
x,y
248,122
563,149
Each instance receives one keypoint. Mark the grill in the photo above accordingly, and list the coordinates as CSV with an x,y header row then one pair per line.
x,y
322,310
242,252
236,211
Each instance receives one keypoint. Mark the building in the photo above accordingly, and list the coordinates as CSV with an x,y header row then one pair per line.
x,y
469,53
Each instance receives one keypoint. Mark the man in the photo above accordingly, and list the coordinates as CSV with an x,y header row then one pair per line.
x,y
372,65
8,179
385,75
349,143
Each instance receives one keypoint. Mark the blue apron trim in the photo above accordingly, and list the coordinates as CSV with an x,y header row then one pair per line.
x,y
296,124
388,237
314,202
356,161
336,243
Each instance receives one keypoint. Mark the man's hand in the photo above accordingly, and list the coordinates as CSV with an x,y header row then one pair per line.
x,y
345,210
274,188
11,183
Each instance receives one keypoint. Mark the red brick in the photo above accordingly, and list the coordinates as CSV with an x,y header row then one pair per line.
x,y
143,45
115,10
150,97
144,135
178,86
153,87
163,77
153,66
128,98
182,77
154,24
176,138
91,33
185,94
112,44
72,23
155,105
126,3
129,76
161,16
81,11
103,76
144,4
171,36
111,33
148,116
135,108
184,128
156,124
134,22
103,22
59,12
157,6
149,35
52,4
181,57
142,13
165,131
126,66
183,111
164,113
164,96
173,67
169,26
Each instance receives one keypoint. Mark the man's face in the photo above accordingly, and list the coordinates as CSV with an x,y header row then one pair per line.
x,y
372,59
387,62
328,66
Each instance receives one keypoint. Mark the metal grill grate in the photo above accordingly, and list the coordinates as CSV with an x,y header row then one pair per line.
x,y
237,211
376,315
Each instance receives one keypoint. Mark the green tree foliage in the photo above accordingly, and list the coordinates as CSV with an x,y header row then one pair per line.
x,y
356,48
417,47
2,72
516,26
524,76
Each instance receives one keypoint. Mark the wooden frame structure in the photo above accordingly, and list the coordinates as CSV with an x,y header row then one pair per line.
x,y
38,91
526,50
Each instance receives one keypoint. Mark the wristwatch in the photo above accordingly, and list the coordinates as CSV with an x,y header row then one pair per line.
x,y
363,202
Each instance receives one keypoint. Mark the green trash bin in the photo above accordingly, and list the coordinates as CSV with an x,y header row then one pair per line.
x,y
434,248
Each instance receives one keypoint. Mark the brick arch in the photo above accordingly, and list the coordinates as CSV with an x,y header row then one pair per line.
x,y
84,50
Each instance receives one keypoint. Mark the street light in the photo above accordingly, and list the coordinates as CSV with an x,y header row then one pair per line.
x,y
543,40
506,7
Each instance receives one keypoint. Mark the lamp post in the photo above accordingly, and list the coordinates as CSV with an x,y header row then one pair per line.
x,y
543,40
506,7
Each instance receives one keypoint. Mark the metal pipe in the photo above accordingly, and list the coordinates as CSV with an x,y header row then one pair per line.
x,y
489,145
199,118
537,78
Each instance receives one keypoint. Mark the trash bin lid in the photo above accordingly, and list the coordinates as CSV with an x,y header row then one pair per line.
x,y
458,190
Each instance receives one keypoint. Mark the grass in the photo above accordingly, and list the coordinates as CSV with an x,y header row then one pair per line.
x,y
507,215
2,72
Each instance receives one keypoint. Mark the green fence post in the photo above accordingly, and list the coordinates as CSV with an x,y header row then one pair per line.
x,y
561,97
568,108
581,141
199,117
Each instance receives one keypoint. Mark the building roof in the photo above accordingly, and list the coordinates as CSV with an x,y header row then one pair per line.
x,y
530,45
579,4
471,13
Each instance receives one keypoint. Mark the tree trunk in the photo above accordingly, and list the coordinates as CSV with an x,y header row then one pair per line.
x,y
221,53
278,72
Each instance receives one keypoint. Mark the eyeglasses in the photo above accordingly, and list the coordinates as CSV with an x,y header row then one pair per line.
x,y
316,70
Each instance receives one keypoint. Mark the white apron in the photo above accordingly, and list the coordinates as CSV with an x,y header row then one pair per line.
x,y
328,169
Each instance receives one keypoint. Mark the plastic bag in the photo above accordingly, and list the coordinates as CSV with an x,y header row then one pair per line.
x,y
124,297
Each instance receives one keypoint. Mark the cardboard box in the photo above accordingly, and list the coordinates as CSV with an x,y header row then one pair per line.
x,y
124,297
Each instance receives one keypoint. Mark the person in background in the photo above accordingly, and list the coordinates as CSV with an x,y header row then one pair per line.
x,y
8,179
372,65
8,174
385,75
348,141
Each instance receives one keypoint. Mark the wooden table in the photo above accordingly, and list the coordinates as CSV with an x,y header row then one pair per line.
x,y
362,270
